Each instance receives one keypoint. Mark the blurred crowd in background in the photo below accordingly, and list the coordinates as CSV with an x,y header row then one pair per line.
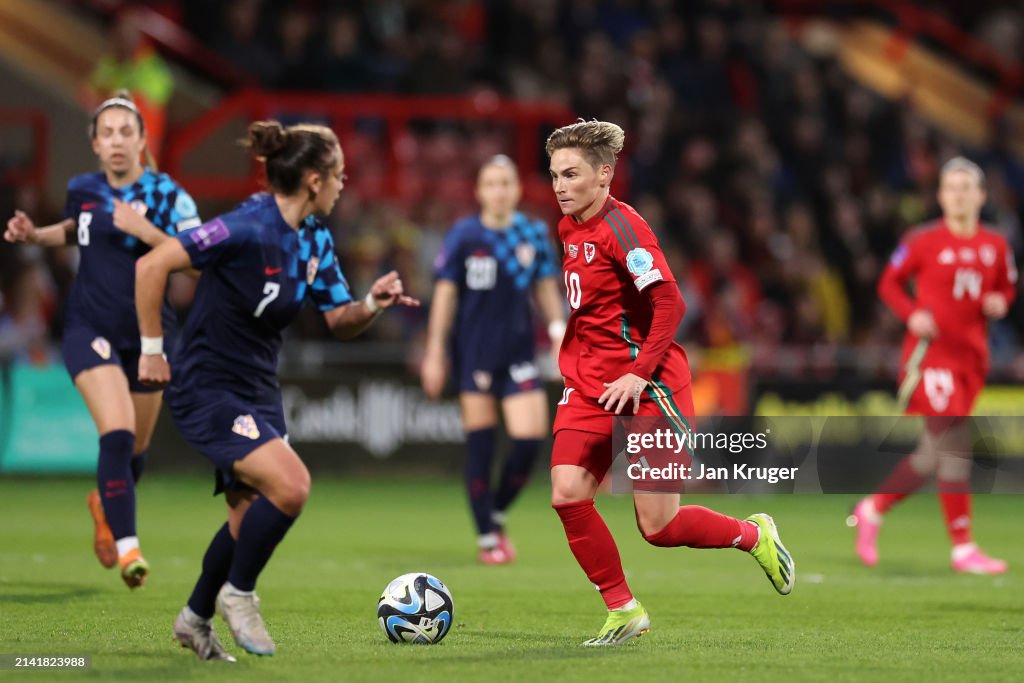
x,y
778,185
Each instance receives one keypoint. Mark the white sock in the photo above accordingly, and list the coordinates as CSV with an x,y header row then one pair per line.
x,y
126,545
237,591
870,511
487,541
498,517
628,606
963,550
192,617
757,540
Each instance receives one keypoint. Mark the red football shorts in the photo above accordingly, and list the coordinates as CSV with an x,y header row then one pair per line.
x,y
583,429
946,391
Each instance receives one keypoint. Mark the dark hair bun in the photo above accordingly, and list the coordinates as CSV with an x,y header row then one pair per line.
x,y
266,138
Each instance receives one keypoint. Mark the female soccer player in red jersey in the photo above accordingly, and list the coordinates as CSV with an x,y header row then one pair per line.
x,y
114,216
482,314
964,276
618,358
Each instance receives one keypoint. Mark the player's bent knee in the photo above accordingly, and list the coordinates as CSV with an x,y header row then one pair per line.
x,y
650,526
291,492
560,495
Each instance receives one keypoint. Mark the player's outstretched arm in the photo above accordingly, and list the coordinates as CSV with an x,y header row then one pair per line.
x,y
350,320
151,273
20,228
439,327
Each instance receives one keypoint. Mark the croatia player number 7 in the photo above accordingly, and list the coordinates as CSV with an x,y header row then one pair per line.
x,y
271,289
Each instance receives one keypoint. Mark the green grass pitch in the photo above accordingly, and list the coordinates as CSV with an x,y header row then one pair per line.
x,y
715,616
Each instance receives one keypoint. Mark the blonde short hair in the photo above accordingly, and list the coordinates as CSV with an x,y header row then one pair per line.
x,y
963,164
600,141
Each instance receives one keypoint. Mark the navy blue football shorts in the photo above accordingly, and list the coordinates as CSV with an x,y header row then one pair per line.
x,y
502,382
224,427
84,349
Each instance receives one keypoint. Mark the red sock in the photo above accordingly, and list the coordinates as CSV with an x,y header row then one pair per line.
x,y
900,483
955,498
594,548
698,527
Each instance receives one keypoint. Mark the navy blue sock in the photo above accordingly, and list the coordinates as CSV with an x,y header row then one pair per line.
x,y
138,465
262,529
480,444
516,473
114,477
216,565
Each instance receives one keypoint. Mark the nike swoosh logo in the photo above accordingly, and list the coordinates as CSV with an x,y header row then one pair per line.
x,y
272,271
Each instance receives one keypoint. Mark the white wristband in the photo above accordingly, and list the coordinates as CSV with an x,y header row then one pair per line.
x,y
152,346
371,303
556,328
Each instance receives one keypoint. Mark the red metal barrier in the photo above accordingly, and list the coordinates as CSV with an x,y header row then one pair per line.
x,y
526,125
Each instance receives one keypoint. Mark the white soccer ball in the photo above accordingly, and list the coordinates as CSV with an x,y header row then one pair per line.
x,y
415,608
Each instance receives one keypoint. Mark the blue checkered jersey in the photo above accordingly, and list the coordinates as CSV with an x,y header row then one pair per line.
x,y
257,271
494,270
104,290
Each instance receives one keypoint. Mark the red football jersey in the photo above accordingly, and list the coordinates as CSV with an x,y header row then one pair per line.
x,y
950,277
608,262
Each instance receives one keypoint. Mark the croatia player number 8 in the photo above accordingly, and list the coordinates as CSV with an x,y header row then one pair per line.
x,y
271,290
573,290
84,219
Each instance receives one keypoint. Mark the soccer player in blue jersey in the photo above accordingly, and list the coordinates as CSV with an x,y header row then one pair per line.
x,y
259,263
114,216
481,314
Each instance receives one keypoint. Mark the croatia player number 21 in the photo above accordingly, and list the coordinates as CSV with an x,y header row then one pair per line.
x,y
481,272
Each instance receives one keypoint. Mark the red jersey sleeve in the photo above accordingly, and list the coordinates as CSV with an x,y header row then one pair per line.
x,y
1006,274
635,248
669,310
892,287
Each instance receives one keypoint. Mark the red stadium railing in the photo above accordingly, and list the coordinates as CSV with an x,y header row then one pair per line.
x,y
912,22
526,125
34,170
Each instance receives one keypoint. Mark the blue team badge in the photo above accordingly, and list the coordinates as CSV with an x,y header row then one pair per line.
x,y
185,205
102,347
311,268
246,426
639,261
